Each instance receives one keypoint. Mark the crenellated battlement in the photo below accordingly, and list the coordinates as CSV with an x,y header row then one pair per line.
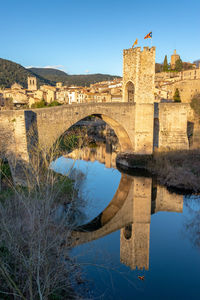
x,y
139,50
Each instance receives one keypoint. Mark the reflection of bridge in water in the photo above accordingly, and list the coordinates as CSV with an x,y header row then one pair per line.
x,y
103,153
130,211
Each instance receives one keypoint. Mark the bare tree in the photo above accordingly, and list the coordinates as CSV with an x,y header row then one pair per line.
x,y
35,235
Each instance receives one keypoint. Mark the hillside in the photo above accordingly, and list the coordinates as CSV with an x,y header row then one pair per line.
x,y
80,80
50,74
11,72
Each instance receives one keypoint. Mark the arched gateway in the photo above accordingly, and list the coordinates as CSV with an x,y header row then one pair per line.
x,y
129,91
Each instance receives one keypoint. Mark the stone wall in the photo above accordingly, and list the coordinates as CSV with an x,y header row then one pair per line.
x,y
13,134
183,75
187,89
144,128
172,118
13,142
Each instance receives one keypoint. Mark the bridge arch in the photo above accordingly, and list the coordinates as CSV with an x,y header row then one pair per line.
x,y
121,133
75,113
129,91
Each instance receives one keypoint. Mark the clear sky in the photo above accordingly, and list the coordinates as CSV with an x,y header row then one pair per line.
x,y
81,36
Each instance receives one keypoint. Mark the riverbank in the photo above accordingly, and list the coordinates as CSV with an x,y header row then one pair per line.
x,y
175,169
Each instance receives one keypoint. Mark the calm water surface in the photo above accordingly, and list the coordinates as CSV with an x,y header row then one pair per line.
x,y
134,228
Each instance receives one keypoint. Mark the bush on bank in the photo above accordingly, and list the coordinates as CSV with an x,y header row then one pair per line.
x,y
174,169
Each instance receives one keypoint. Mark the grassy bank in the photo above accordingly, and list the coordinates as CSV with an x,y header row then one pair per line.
x,y
175,169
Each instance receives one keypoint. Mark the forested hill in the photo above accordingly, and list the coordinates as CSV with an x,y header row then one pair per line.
x,y
80,80
11,72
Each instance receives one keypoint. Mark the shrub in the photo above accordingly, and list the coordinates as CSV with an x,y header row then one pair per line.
x,y
176,96
39,104
54,103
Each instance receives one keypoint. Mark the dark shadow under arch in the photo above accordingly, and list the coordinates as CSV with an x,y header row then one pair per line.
x,y
122,135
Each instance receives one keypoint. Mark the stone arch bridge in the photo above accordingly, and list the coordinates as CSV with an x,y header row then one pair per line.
x,y
133,123
133,128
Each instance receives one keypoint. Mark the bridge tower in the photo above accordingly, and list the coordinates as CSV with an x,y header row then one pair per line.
x,y
32,83
138,75
134,238
138,88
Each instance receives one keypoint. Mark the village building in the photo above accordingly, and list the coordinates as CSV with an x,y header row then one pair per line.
x,y
32,101
39,94
62,96
81,96
16,94
72,96
49,93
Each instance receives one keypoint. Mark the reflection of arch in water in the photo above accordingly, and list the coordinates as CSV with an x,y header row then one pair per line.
x,y
115,216
129,91
92,154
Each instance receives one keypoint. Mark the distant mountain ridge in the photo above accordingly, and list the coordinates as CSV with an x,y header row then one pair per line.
x,y
80,80
11,72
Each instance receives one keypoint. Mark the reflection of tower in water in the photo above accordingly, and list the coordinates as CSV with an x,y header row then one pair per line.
x,y
135,237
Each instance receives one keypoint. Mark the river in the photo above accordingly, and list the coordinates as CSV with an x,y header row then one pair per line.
x,y
135,239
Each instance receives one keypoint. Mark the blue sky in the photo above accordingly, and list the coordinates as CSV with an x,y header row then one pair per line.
x,y
81,36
